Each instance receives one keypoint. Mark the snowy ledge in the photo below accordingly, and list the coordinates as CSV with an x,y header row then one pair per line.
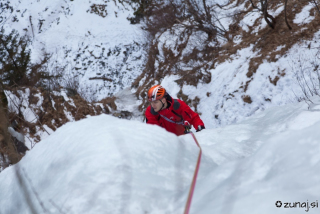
x,y
104,164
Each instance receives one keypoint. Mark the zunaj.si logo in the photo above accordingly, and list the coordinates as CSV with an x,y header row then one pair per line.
x,y
305,205
278,204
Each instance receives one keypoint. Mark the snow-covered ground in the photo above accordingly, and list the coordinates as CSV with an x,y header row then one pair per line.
x,y
91,39
222,99
97,43
107,165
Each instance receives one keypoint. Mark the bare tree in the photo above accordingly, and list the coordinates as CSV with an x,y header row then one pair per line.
x,y
264,9
197,15
203,17
307,74
285,14
315,3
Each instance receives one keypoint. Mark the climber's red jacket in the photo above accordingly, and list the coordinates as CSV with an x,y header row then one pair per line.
x,y
174,116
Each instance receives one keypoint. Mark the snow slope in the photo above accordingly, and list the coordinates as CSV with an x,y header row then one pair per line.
x,y
101,164
273,82
107,165
272,156
99,45
91,39
222,100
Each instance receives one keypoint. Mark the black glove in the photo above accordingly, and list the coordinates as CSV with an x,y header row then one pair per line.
x,y
200,128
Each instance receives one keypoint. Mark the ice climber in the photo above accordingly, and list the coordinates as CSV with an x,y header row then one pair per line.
x,y
172,114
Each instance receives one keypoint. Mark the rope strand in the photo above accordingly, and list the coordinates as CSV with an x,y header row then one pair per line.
x,y
194,179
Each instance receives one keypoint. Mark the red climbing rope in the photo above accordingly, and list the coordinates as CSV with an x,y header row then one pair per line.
x,y
194,180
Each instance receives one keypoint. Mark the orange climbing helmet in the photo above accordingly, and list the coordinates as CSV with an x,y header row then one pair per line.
x,y
156,93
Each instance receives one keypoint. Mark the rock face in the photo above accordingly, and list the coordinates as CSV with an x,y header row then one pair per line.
x,y
9,153
31,114
36,112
